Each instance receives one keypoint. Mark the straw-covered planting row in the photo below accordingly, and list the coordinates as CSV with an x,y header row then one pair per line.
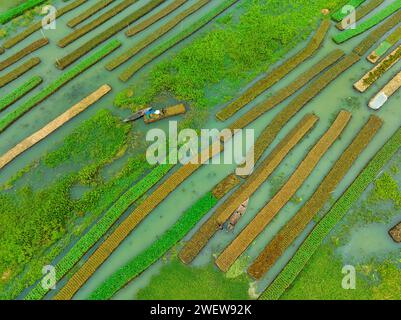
x,y
282,240
253,182
341,14
102,226
363,11
391,40
369,23
19,92
386,92
311,91
277,74
19,71
19,10
173,235
287,91
155,35
158,51
336,213
78,33
53,126
38,25
154,18
1,50
108,33
372,76
23,53
377,33
129,224
280,199
6,121
89,13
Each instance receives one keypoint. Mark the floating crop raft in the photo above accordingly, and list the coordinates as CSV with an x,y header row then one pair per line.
x,y
89,13
384,94
341,14
282,240
395,233
153,116
19,71
19,10
372,76
391,40
53,125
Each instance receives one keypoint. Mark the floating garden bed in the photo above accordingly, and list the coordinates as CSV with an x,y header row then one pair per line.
x,y
384,94
38,25
78,33
372,76
369,23
149,57
89,13
23,53
277,74
330,220
340,15
287,91
108,33
19,71
253,182
363,11
130,223
155,35
171,237
285,237
154,18
18,93
280,199
19,10
53,125
7,120
391,40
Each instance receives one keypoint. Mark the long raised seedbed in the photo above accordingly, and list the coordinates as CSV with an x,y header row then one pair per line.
x,y
253,182
154,18
341,14
108,33
19,10
38,25
100,255
362,12
19,92
293,228
19,71
391,40
367,43
23,53
369,23
78,33
7,120
271,131
287,91
373,75
276,75
53,125
155,35
386,92
158,51
149,256
330,220
89,13
280,199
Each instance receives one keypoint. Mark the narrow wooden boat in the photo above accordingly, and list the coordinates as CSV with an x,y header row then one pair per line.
x,y
137,115
395,233
236,216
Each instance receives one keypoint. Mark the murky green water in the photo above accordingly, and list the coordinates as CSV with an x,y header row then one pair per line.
x,y
326,105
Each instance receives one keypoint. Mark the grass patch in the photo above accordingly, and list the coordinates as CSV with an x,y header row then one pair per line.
x,y
19,10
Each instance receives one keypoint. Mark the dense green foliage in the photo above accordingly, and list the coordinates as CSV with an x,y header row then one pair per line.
x,y
7,120
336,213
212,69
177,281
39,222
19,92
19,10
146,258
369,23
